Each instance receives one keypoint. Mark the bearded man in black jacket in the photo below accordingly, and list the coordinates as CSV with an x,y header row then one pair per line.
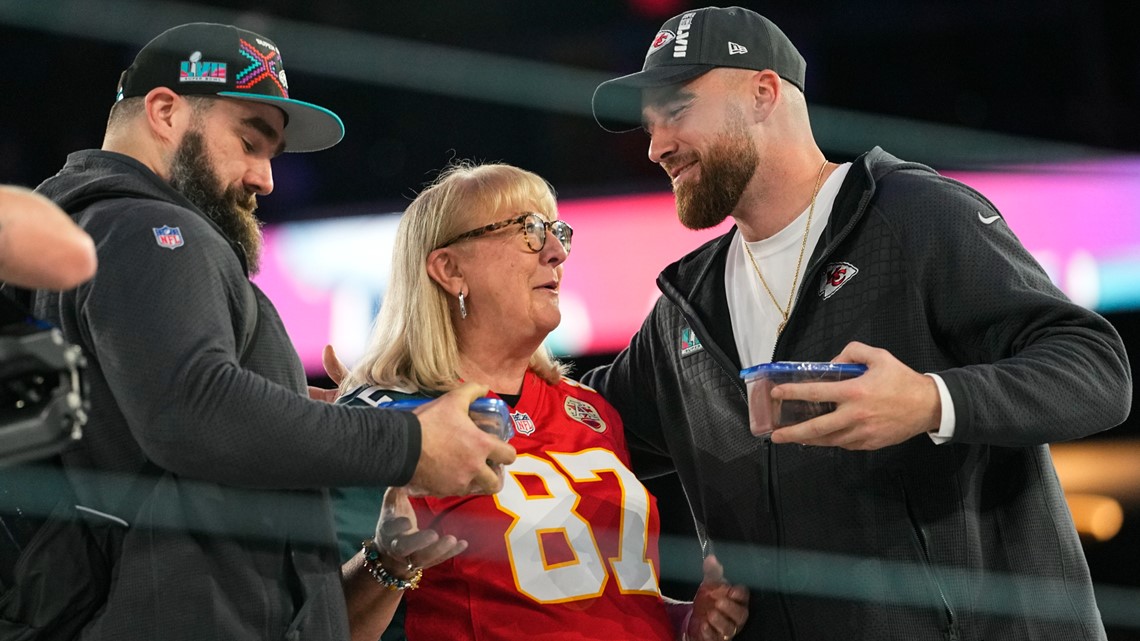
x,y
198,401
925,506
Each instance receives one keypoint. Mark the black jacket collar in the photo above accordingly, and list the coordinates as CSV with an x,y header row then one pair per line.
x,y
94,174
695,283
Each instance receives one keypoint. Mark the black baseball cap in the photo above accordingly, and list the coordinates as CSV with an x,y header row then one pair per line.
x,y
693,43
205,59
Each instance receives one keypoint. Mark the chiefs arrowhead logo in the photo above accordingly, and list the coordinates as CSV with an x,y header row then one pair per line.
x,y
584,413
835,275
662,38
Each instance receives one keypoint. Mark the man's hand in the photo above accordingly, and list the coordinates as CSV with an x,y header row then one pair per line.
x,y
719,609
40,246
336,371
456,457
887,405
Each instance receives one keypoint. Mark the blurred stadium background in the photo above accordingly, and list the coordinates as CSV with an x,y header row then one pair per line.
x,y
1035,103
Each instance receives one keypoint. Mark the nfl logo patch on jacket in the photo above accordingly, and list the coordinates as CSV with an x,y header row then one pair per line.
x,y
168,237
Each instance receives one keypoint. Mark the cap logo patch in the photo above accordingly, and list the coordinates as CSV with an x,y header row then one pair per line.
x,y
663,38
834,276
168,237
262,66
523,424
584,413
690,344
735,49
194,70
682,46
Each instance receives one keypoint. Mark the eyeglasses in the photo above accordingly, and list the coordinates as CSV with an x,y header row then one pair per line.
x,y
534,228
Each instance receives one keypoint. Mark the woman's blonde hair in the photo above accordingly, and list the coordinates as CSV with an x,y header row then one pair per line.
x,y
413,343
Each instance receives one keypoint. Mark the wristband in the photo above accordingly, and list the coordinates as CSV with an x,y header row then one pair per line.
x,y
382,576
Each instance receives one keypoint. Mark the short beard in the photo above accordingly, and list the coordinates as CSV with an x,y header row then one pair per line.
x,y
726,170
232,209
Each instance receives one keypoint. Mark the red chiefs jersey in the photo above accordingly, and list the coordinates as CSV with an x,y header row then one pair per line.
x,y
568,548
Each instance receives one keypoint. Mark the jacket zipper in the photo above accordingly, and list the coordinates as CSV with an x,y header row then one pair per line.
x,y
952,632
773,482
721,360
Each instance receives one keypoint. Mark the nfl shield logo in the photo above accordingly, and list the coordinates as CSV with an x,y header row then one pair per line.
x,y
168,237
523,424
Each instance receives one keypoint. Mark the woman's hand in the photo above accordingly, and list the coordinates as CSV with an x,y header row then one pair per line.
x,y
719,609
403,547
336,371
402,551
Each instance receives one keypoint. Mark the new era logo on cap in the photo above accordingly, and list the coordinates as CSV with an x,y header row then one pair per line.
x,y
735,49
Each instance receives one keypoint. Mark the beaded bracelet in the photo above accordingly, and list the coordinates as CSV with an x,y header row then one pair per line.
x,y
376,569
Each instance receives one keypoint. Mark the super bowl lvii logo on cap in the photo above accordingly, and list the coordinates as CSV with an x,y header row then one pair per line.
x,y
681,48
195,70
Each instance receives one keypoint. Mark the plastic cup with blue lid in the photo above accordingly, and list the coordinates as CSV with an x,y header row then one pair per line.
x,y
766,414
489,414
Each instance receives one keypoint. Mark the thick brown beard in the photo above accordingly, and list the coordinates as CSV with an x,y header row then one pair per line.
x,y
726,169
232,209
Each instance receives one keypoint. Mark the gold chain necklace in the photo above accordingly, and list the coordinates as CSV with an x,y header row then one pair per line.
x,y
799,261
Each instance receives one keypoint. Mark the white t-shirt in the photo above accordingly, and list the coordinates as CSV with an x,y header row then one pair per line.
x,y
755,317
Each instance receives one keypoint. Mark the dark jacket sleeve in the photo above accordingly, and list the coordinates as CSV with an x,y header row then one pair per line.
x,y
1037,368
163,326
629,384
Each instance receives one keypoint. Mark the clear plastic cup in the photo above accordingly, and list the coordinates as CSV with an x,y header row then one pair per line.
x,y
766,414
489,414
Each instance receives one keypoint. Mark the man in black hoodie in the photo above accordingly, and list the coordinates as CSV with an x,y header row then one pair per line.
x,y
195,388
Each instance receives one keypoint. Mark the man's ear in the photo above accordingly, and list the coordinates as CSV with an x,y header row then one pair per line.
x,y
764,91
443,269
168,115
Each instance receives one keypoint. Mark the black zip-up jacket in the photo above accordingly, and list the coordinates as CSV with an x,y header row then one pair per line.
x,y
232,537
970,539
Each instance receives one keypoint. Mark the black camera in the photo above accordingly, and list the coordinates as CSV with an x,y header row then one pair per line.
x,y
43,401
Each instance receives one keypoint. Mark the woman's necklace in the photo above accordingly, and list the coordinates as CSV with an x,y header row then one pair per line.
x,y
785,312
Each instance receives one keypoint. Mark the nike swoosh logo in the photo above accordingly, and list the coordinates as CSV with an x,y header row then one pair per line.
x,y
987,220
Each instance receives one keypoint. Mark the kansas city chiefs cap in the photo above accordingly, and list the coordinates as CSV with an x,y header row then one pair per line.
x,y
693,43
